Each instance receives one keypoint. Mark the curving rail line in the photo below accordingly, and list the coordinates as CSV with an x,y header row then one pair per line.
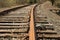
x,y
18,23
26,23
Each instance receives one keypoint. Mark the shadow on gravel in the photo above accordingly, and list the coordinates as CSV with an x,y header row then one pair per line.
x,y
7,11
10,10
58,13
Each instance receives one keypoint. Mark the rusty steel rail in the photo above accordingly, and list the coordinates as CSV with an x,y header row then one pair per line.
x,y
8,29
32,35
18,28
30,29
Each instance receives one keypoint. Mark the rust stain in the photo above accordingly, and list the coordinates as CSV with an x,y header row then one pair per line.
x,y
31,32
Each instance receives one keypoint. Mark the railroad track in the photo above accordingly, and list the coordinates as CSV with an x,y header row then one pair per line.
x,y
45,30
15,24
27,23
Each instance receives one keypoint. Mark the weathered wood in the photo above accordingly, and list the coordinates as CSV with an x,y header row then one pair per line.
x,y
17,15
46,31
38,19
14,35
37,24
21,25
54,8
17,24
13,27
14,30
43,22
14,19
50,36
38,16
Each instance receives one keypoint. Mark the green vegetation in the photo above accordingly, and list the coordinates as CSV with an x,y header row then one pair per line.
x,y
8,3
5,3
32,1
57,3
